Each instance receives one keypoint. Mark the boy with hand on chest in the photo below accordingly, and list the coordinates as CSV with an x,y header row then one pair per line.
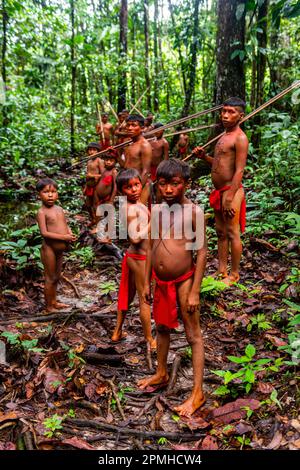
x,y
177,228
56,238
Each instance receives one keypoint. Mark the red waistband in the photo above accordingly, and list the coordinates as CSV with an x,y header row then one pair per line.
x,y
124,283
215,200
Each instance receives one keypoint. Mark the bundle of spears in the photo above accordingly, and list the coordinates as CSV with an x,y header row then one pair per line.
x,y
151,134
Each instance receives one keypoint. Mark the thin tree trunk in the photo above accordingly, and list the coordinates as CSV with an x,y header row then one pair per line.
x,y
261,57
230,37
193,63
133,46
146,35
73,81
179,49
122,78
3,57
156,59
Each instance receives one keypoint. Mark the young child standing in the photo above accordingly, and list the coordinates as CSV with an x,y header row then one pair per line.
x,y
105,192
133,266
160,150
170,263
228,198
56,237
95,168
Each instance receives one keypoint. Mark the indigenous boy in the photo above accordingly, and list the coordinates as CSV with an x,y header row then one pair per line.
x,y
95,167
105,190
228,198
56,237
105,131
133,265
182,145
138,155
170,262
148,123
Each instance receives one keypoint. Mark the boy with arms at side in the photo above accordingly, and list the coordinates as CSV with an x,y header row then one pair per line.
x,y
95,168
106,131
138,155
134,262
182,144
56,237
160,150
170,262
228,198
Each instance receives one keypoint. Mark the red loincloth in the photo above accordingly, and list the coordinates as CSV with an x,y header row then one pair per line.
x,y
124,286
164,302
182,150
215,200
89,191
107,180
105,144
153,170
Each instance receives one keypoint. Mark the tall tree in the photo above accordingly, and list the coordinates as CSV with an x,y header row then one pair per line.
x,y
230,80
156,58
3,56
122,76
147,68
262,23
193,61
73,80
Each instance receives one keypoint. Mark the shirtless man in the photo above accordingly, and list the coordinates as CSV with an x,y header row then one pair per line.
x,y
148,123
94,170
138,155
177,279
56,237
228,199
160,150
108,131
182,145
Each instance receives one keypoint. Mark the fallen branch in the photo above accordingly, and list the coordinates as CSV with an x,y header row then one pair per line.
x,y
148,356
173,376
118,403
68,281
264,243
96,357
176,436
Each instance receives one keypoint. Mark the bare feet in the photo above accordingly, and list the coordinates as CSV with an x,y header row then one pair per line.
x,y
152,343
60,305
192,404
118,335
220,275
231,279
156,379
49,310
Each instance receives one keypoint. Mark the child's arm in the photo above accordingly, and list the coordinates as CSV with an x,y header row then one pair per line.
x,y
41,220
241,151
146,295
114,189
193,300
136,232
146,161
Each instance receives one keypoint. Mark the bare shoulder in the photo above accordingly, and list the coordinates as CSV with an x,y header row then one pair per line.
x,y
241,137
145,145
40,212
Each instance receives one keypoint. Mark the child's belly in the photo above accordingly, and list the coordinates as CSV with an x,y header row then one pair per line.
x,y
57,245
170,259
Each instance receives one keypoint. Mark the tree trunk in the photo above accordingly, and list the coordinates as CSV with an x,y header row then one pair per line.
x,y
230,37
261,57
179,49
156,59
73,81
146,35
3,56
193,63
133,46
122,79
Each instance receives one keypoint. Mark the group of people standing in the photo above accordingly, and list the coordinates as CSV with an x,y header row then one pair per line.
x,y
174,265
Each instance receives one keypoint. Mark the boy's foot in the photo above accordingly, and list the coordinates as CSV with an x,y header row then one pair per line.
x,y
152,343
60,305
220,275
231,279
118,336
49,310
193,403
156,379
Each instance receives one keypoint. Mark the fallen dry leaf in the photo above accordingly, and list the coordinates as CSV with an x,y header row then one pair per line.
x,y
209,443
276,441
195,422
265,387
295,423
275,340
78,443
8,416
233,411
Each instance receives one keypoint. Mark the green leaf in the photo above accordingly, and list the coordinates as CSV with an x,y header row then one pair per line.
x,y
250,376
222,390
250,351
239,11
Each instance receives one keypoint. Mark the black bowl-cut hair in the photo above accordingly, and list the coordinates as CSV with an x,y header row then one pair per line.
x,y
136,117
125,176
236,102
94,145
42,183
157,125
167,169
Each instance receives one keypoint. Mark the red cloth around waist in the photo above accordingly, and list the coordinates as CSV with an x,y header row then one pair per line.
x,y
182,150
124,284
215,200
153,170
164,302
89,191
107,180
105,144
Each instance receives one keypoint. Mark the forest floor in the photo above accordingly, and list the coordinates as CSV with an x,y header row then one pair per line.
x,y
64,384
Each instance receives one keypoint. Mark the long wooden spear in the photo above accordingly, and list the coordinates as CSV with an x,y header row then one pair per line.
x,y
296,84
191,129
100,121
112,109
134,107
